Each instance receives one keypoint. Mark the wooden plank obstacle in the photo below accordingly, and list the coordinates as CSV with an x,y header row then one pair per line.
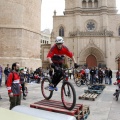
x,y
80,111
92,92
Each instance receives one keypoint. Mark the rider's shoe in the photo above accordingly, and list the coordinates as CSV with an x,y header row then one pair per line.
x,y
56,89
51,88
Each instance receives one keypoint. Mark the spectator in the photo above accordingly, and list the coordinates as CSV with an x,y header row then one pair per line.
x,y
118,75
31,71
6,72
28,76
70,73
14,86
22,81
25,72
87,71
96,74
106,75
100,76
92,75
110,76
1,71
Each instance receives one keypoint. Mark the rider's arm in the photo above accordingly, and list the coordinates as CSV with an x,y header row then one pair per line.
x,y
50,54
69,54
50,61
73,58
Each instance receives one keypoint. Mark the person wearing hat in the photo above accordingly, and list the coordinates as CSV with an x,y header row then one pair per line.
x,y
56,57
22,76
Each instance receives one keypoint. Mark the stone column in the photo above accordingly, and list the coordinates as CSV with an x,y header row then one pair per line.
x,y
86,3
93,5
20,32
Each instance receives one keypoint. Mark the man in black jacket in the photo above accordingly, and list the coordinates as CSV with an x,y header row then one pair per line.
x,y
110,76
106,75
92,75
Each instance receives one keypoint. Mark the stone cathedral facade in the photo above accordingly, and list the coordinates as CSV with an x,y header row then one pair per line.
x,y
91,29
20,23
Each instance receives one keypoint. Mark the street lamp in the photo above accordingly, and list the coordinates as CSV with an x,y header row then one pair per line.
x,y
70,60
118,60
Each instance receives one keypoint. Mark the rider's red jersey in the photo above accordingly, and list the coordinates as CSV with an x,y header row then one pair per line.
x,y
63,51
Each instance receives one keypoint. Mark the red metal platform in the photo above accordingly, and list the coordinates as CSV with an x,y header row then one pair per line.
x,y
56,106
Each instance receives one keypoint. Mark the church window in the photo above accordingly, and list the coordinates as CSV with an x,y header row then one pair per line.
x,y
61,31
90,3
84,4
119,31
90,26
96,3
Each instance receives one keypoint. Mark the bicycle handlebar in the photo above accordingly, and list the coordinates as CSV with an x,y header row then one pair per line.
x,y
59,68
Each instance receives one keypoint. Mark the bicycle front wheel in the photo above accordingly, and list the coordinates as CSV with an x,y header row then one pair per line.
x,y
45,89
68,95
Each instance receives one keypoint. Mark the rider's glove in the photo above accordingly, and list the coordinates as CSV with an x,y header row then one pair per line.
x,y
76,65
52,65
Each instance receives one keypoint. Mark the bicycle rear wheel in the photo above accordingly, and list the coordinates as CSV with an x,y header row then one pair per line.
x,y
78,82
68,95
87,81
45,89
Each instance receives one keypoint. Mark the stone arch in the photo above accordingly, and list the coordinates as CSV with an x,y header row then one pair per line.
x,y
96,3
84,3
92,50
90,3
61,31
91,61
61,26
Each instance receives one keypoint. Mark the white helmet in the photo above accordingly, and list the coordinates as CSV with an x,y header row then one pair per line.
x,y
59,40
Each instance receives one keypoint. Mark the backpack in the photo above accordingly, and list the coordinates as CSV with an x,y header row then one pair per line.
x,y
7,79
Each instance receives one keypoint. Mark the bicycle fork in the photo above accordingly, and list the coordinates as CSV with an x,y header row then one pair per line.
x,y
67,92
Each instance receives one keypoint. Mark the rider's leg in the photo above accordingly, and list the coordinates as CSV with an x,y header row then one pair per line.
x,y
56,78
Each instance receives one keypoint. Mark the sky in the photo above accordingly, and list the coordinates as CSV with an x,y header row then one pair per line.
x,y
48,7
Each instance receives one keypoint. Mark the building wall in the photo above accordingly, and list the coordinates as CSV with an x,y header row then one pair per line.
x,y
20,32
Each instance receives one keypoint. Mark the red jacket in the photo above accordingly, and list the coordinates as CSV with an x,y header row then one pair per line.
x,y
13,83
64,51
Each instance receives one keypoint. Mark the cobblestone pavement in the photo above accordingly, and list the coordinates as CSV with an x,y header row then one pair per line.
x,y
103,108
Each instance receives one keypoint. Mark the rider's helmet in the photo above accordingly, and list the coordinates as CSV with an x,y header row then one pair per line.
x,y
59,40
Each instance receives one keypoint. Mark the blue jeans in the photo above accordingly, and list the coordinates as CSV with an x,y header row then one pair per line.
x,y
92,79
110,81
106,79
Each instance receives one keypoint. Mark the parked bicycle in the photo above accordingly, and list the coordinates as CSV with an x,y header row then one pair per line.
x,y
67,90
80,79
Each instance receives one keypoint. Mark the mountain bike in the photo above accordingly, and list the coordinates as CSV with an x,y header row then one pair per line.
x,y
117,92
68,94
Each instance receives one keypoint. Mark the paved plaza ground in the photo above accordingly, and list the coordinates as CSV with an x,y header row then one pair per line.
x,y
105,107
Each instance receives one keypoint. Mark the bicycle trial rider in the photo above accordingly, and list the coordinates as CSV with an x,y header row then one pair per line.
x,y
56,58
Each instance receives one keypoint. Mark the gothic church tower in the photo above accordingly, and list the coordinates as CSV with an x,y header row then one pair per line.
x,y
91,29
